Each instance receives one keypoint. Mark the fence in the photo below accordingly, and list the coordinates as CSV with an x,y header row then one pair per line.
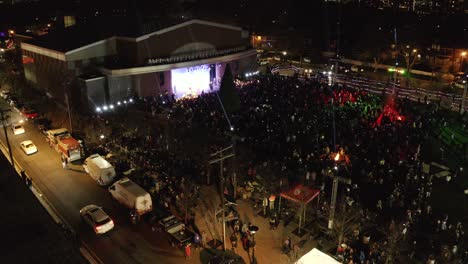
x,y
451,101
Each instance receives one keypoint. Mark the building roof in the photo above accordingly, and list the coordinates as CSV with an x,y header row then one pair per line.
x,y
132,187
29,239
100,161
74,37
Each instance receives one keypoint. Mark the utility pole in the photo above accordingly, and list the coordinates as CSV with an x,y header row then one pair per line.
x,y
336,181
220,156
338,26
69,111
396,60
4,117
464,92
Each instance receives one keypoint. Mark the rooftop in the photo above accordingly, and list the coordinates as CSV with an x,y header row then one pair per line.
x,y
70,38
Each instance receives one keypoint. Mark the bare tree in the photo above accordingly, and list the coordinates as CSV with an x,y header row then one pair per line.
x,y
345,222
396,242
411,57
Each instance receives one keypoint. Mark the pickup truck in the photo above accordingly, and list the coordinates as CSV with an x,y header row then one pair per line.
x,y
179,235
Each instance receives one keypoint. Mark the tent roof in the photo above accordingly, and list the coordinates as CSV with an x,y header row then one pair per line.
x,y
301,193
316,256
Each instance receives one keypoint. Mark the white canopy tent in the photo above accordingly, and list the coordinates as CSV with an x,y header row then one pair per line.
x,y
316,256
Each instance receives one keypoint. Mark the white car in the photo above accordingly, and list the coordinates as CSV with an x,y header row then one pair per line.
x,y
17,129
28,147
97,219
4,94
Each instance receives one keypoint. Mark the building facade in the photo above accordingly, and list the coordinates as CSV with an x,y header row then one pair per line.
x,y
185,59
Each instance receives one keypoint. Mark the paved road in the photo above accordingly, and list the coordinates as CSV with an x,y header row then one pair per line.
x,y
70,190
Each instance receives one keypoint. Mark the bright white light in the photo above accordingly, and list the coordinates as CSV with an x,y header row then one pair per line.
x,y
125,101
324,73
336,167
111,106
131,100
232,128
21,121
101,136
191,81
337,157
104,108
98,109
329,73
118,103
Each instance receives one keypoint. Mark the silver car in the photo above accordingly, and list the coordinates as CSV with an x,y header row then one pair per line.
x,y
94,216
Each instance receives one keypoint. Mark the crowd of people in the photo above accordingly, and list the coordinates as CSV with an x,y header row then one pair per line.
x,y
296,128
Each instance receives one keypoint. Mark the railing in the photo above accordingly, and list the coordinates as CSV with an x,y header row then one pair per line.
x,y
197,55
453,101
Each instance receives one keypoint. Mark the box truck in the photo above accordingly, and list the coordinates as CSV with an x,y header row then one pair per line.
x,y
99,169
132,196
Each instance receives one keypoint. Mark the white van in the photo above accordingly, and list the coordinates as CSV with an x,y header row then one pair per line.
x,y
99,169
132,196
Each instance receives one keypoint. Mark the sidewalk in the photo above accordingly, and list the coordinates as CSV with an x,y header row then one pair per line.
x,y
268,241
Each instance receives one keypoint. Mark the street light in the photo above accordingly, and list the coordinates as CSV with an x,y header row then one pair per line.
x,y
285,53
462,60
253,229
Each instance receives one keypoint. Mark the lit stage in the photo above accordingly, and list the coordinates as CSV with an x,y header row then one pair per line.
x,y
192,81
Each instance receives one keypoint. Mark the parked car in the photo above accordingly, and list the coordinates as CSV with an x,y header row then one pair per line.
x,y
99,169
43,124
132,196
179,235
29,113
94,216
12,99
28,147
17,129
5,94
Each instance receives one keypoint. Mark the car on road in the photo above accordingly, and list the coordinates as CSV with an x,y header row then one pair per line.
x,y
43,124
94,216
5,94
17,129
29,113
28,147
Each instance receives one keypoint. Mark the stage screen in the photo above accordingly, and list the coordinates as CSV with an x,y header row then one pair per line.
x,y
190,81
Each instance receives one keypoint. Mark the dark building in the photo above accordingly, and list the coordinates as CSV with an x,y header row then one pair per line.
x,y
183,59
29,234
